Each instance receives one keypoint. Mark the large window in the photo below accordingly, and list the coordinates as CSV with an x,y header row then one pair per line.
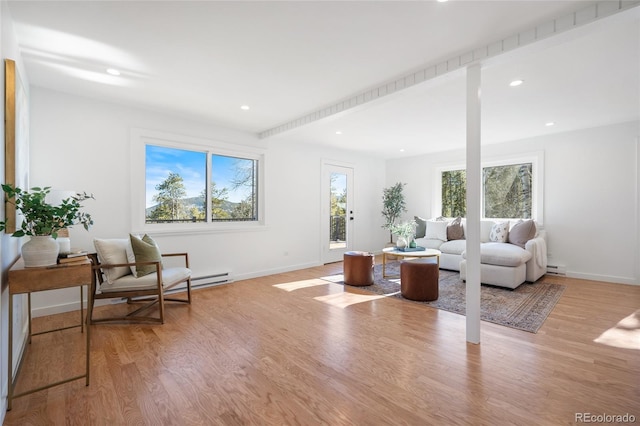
x,y
510,190
191,183
507,191
176,189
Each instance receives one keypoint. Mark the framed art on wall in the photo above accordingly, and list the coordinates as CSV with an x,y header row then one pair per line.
x,y
16,138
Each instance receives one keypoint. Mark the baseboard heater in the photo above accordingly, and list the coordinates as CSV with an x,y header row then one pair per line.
x,y
556,269
211,279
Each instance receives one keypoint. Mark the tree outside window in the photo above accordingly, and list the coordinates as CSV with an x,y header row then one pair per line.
x,y
507,192
176,191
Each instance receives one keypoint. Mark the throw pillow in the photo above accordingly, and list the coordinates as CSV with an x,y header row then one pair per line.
x,y
499,232
522,232
112,251
421,226
436,230
145,250
131,258
454,230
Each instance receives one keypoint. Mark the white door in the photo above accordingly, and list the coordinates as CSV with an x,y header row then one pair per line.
x,y
337,211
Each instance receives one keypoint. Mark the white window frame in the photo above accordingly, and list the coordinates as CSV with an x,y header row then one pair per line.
x,y
140,138
537,191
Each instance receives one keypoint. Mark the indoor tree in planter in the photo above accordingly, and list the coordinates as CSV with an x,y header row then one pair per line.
x,y
393,205
42,221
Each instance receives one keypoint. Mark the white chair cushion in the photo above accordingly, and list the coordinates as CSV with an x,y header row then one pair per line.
x,y
113,251
170,276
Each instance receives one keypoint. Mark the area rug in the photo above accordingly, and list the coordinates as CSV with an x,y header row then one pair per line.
x,y
524,308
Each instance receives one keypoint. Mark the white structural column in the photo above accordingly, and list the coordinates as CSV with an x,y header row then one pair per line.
x,y
474,177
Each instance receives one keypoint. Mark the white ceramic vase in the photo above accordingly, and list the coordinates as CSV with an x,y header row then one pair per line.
x,y
40,251
401,243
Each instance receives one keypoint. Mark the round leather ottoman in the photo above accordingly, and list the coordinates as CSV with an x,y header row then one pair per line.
x,y
419,279
358,268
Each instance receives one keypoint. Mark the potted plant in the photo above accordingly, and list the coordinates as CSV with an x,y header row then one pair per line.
x,y
393,205
406,231
42,221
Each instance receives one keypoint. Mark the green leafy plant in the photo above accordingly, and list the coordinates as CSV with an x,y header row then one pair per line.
x,y
406,230
41,218
393,205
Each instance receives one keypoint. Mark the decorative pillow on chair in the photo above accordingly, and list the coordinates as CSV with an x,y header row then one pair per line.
x,y
112,251
499,232
145,250
522,232
455,230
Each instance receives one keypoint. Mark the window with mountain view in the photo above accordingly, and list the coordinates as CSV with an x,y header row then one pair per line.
x,y
506,192
178,191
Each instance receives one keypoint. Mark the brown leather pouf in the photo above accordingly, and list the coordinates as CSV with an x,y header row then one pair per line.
x,y
358,268
419,279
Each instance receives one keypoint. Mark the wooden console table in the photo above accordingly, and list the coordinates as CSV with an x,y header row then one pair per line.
x,y
28,280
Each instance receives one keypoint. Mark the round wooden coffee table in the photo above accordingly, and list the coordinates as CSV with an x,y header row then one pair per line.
x,y
392,251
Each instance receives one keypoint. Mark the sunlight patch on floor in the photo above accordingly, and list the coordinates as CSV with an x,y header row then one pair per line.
x,y
342,300
296,285
626,334
337,278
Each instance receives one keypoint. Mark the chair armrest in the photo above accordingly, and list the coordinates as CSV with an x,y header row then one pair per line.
x,y
185,255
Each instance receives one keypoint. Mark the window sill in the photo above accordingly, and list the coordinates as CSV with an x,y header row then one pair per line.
x,y
201,228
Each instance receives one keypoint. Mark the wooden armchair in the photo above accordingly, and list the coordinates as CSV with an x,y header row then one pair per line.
x,y
115,279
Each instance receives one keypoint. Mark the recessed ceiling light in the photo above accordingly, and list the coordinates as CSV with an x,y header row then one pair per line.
x,y
442,1
113,71
515,83
550,123
401,149
245,107
338,132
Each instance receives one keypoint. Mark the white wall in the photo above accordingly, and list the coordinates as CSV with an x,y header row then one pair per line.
x,y
9,247
590,196
82,144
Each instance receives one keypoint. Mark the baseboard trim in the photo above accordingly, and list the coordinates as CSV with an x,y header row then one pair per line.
x,y
273,271
74,306
605,278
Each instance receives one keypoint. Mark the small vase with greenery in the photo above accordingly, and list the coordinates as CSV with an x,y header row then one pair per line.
x,y
41,219
405,230
393,205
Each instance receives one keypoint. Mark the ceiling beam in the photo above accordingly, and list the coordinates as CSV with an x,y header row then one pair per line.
x,y
557,26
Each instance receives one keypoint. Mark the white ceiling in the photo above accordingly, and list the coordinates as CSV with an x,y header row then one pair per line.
x,y
205,59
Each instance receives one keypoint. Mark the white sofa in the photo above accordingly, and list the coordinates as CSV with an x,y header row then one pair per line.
x,y
502,263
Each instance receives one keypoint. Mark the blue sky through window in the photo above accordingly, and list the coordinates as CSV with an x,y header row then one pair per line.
x,y
189,164
160,161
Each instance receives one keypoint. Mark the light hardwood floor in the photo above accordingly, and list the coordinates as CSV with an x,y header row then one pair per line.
x,y
309,352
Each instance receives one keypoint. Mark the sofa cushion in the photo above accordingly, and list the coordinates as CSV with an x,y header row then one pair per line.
x,y
485,230
455,230
436,229
429,243
453,247
522,231
502,254
421,226
499,232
